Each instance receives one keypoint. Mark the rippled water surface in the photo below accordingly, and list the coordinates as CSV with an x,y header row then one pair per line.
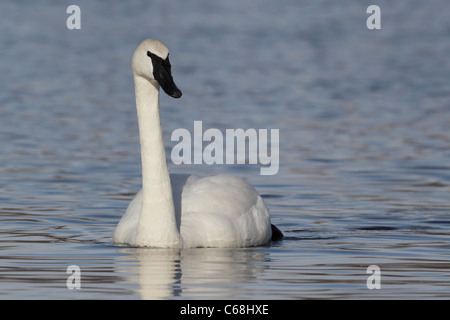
x,y
363,116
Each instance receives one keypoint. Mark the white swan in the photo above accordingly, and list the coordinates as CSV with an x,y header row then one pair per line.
x,y
182,211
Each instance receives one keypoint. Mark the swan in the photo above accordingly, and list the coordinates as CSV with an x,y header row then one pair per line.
x,y
183,211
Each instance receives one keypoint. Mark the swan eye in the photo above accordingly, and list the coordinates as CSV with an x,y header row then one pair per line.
x,y
166,64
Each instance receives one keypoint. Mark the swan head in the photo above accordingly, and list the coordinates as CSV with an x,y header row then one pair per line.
x,y
151,61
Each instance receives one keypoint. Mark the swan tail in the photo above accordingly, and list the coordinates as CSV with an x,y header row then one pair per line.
x,y
277,235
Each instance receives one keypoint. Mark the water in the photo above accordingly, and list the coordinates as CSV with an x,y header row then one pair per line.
x,y
363,116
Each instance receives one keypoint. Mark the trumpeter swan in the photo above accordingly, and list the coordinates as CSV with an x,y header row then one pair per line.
x,y
183,211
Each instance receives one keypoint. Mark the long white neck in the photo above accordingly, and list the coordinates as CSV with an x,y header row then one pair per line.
x,y
157,224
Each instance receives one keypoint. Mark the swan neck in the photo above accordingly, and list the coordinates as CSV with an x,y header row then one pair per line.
x,y
157,224
154,166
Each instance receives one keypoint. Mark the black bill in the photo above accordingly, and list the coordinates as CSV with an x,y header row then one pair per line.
x,y
163,74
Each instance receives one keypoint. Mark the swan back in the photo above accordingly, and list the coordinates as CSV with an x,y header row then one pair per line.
x,y
223,211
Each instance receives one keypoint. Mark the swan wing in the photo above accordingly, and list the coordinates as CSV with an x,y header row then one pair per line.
x,y
223,211
126,229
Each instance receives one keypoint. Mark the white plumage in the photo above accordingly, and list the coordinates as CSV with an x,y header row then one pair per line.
x,y
175,211
215,211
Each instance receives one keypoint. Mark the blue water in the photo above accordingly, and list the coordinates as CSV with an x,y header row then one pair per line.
x,y
364,120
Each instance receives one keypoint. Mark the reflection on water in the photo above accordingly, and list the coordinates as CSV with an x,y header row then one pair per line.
x,y
195,273
364,149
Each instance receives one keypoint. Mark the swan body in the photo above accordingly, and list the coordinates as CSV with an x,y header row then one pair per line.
x,y
183,211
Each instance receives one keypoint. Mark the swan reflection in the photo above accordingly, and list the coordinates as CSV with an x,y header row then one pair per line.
x,y
195,273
